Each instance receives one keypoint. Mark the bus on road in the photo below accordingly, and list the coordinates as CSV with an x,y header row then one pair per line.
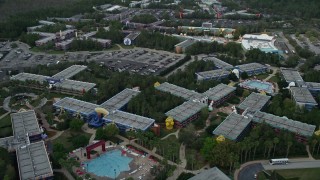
x,y
279,161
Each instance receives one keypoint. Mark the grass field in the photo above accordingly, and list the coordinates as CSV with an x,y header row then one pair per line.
x,y
301,174
5,127
262,76
64,138
274,79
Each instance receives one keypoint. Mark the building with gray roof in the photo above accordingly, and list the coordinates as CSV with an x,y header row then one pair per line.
x,y
75,106
299,128
233,127
179,91
126,120
217,74
33,162
211,174
291,75
314,88
31,77
186,112
182,46
252,68
74,87
218,63
122,119
254,102
219,93
303,97
120,100
24,123
59,82
69,72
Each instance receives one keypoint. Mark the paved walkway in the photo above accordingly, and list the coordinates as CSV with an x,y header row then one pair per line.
x,y
4,115
59,133
85,128
174,133
65,172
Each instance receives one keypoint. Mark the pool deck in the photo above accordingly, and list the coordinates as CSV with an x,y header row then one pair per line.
x,y
140,165
270,84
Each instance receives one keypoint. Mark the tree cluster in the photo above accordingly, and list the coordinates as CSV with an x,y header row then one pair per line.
x,y
153,103
144,18
85,45
107,132
7,165
156,40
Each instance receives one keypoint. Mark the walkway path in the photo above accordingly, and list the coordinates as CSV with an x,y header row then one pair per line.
x,y
65,172
174,133
4,115
275,70
58,134
308,151
85,128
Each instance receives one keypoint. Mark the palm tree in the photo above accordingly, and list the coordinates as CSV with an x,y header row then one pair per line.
x,y
289,144
256,144
269,145
275,142
314,143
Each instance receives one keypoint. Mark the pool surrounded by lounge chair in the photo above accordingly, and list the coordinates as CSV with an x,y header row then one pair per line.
x,y
109,164
259,85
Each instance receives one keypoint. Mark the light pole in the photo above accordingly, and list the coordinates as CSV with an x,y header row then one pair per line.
x,y
115,174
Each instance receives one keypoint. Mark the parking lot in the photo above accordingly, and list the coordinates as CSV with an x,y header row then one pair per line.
x,y
137,60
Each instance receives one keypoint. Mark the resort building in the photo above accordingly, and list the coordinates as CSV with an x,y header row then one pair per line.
x,y
303,97
123,120
179,91
219,94
189,111
217,74
252,68
32,157
210,174
130,39
262,42
206,30
59,82
254,102
182,46
185,113
234,127
291,75
314,88
219,63
301,130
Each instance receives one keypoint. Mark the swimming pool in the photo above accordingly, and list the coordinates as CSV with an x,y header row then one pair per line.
x,y
259,85
109,164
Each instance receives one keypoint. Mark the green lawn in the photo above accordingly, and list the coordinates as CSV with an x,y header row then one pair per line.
x,y
274,79
5,122
301,174
64,138
262,76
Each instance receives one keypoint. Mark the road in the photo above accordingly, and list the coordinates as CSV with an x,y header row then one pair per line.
x,y
248,172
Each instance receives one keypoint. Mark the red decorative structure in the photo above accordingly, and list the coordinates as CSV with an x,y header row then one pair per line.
x,y
92,146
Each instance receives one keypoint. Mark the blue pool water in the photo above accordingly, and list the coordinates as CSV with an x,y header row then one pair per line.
x,y
109,164
253,84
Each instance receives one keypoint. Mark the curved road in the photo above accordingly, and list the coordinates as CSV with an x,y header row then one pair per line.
x,y
248,172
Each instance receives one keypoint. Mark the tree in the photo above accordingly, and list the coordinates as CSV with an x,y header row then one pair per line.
x,y
79,140
187,135
76,124
289,144
111,130
245,93
275,142
244,75
10,172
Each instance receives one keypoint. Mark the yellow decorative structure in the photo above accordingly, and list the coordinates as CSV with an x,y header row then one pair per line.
x,y
101,111
156,84
169,123
263,93
220,138
317,133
